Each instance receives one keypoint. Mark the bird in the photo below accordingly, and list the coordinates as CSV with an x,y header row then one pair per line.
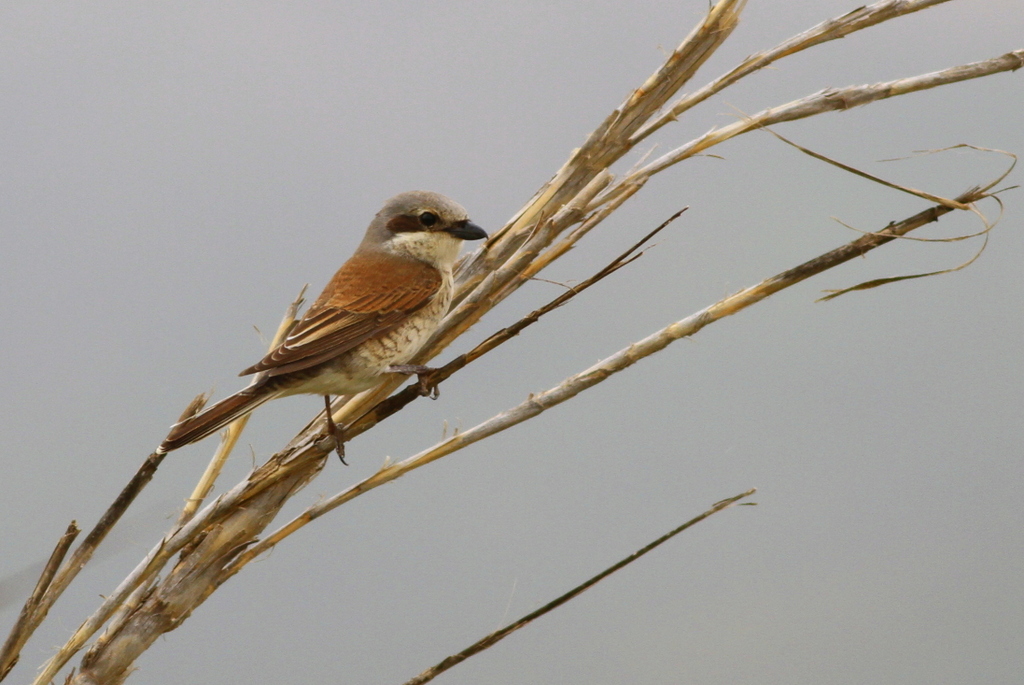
x,y
372,317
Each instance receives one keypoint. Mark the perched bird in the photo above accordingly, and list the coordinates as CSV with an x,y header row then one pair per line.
x,y
373,316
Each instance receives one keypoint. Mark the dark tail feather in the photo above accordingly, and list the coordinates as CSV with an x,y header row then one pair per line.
x,y
213,418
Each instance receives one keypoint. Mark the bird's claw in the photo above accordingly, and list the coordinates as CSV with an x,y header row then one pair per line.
x,y
425,381
335,431
427,385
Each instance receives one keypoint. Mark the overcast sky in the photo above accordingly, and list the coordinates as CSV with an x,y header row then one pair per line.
x,y
172,173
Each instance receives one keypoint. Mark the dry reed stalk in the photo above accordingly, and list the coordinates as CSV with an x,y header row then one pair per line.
x,y
218,540
832,29
829,100
499,635
62,578
41,601
23,630
34,610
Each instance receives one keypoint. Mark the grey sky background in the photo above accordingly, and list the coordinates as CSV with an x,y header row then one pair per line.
x,y
172,173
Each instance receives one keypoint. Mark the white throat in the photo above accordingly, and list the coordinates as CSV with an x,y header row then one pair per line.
x,y
438,249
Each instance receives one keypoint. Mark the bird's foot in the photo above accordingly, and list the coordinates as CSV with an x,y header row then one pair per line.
x,y
427,384
335,431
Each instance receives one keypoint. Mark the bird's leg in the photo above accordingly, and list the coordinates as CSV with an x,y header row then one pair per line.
x,y
428,386
335,432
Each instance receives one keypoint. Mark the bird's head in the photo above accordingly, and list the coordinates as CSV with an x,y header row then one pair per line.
x,y
422,225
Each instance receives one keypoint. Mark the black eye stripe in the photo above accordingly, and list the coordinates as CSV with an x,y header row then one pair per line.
x,y
404,224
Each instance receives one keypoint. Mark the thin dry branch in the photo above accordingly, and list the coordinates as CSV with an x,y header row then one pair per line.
x,y
82,554
30,613
499,635
930,197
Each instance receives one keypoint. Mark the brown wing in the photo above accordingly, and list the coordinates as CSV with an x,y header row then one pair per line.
x,y
369,296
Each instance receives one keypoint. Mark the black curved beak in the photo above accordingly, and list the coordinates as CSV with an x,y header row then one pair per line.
x,y
467,230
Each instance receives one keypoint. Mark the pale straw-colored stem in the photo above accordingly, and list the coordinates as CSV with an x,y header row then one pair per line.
x,y
829,100
832,29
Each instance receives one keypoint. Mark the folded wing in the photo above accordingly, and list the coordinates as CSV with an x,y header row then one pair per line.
x,y
368,297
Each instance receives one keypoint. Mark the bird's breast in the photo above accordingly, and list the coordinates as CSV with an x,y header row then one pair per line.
x,y
402,343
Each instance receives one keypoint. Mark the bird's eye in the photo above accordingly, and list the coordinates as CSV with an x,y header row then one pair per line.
x,y
428,218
